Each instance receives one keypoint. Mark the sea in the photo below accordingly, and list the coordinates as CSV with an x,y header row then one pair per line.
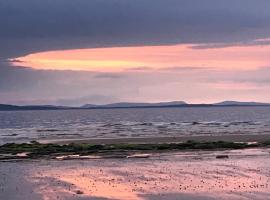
x,y
53,125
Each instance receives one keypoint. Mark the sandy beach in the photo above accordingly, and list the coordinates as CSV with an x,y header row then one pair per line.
x,y
169,176
188,174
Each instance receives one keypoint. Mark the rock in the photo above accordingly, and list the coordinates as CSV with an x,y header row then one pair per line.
x,y
79,192
222,156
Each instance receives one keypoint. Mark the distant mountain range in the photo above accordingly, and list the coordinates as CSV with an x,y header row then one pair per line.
x,y
5,107
237,103
131,105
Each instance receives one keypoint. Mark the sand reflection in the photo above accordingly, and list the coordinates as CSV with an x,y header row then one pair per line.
x,y
168,176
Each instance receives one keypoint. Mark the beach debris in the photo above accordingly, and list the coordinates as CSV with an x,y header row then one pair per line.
x,y
22,155
79,192
73,157
18,156
139,156
222,157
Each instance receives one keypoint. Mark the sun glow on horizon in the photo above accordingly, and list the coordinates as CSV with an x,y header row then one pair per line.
x,y
156,57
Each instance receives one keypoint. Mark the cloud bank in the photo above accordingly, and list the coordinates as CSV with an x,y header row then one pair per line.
x,y
37,25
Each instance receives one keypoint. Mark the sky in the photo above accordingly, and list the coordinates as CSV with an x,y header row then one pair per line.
x,y
73,52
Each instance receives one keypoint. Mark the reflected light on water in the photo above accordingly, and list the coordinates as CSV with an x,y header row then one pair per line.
x,y
161,176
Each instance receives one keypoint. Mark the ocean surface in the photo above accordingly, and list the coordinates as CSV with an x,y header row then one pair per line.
x,y
25,126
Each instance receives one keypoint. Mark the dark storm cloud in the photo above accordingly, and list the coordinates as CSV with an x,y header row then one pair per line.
x,y
38,25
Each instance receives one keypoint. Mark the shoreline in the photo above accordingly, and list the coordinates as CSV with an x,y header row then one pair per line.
x,y
128,147
157,140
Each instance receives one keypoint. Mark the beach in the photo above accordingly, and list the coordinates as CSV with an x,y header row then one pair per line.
x,y
185,175
132,168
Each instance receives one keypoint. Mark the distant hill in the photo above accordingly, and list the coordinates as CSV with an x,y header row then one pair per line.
x,y
5,107
8,107
132,105
238,103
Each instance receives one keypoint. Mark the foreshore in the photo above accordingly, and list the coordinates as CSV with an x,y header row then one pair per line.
x,y
195,175
162,168
126,147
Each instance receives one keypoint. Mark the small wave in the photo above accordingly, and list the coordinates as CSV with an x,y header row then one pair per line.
x,y
49,130
236,123
145,124
10,135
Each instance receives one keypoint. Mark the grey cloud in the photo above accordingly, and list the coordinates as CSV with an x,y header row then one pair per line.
x,y
140,69
109,75
184,69
224,45
164,69
93,99
37,25
28,86
258,77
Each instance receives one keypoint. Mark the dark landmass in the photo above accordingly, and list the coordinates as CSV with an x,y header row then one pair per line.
x,y
173,104
237,103
128,104
5,107
9,107
35,150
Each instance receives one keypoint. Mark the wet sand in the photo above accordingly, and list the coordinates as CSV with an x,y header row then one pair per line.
x,y
210,138
194,175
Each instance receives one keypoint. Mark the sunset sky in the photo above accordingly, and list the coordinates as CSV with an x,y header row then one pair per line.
x,y
73,52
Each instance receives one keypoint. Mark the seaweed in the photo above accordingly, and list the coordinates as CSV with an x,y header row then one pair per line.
x,y
35,149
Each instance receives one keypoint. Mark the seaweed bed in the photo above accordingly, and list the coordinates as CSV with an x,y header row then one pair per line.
x,y
35,150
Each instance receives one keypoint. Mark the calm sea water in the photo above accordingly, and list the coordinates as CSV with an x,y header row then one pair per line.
x,y
23,126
